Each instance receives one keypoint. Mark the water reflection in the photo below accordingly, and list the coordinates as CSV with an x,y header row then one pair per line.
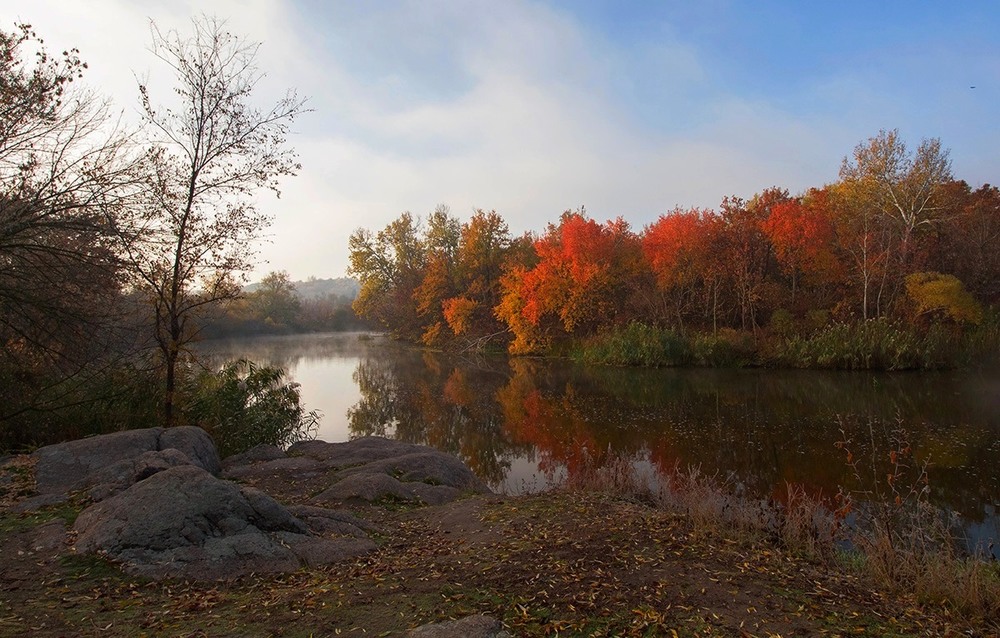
x,y
522,424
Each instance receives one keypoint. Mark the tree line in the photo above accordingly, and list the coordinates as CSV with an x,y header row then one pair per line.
x,y
895,239
115,236
278,305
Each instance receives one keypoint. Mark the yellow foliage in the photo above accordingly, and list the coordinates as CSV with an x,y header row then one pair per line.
x,y
932,292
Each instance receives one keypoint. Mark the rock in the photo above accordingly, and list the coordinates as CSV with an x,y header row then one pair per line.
x,y
92,461
36,503
478,626
424,465
357,452
125,473
323,521
365,487
193,442
300,467
162,513
262,452
183,522
366,470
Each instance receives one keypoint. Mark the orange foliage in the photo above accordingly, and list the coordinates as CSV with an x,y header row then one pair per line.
x,y
582,279
802,237
458,313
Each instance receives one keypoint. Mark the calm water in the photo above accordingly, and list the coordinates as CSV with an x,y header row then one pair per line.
x,y
523,424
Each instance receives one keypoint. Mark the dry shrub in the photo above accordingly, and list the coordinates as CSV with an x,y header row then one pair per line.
x,y
906,544
803,524
898,540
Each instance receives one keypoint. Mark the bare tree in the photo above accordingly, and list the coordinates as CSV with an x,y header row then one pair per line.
x,y
210,150
896,193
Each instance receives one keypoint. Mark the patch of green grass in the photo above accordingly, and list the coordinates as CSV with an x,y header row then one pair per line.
x,y
90,566
13,522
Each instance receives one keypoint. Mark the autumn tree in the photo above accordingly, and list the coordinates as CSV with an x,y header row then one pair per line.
x,y
970,237
801,234
889,195
210,150
942,296
677,248
440,245
390,266
748,253
275,301
584,279
482,252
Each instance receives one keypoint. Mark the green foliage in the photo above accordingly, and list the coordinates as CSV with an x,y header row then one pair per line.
x,y
246,404
119,397
876,344
275,302
727,348
782,322
637,344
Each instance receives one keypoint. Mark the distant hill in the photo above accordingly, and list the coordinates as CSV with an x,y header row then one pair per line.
x,y
314,288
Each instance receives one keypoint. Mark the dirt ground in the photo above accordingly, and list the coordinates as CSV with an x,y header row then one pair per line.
x,y
564,563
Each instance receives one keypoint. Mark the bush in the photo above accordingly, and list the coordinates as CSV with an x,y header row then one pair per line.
x,y
876,344
726,349
48,410
246,404
637,344
782,322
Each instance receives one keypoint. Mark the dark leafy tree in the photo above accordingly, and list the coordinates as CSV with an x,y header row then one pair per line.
x,y
65,170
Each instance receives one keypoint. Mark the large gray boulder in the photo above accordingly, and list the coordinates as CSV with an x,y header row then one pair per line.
x,y
119,459
183,522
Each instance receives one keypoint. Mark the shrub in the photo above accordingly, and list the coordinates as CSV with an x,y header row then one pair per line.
x,y
637,344
727,349
782,322
245,404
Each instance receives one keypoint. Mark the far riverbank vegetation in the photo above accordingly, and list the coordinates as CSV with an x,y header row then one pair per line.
x,y
894,266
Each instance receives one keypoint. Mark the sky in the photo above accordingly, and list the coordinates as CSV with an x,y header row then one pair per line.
x,y
531,108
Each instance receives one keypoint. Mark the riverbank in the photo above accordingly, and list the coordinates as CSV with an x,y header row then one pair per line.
x,y
573,562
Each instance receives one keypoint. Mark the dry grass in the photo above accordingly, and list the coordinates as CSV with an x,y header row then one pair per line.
x,y
891,537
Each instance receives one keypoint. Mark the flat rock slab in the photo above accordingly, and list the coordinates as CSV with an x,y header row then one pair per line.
x,y
478,626
183,522
365,470
121,458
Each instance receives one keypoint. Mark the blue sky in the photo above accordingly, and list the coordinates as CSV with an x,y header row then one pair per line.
x,y
531,108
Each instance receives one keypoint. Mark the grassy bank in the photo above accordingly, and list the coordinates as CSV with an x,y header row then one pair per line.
x,y
869,345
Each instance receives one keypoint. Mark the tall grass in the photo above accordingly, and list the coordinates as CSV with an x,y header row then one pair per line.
x,y
876,344
896,539
637,344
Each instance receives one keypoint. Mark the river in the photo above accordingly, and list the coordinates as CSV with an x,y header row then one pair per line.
x,y
525,424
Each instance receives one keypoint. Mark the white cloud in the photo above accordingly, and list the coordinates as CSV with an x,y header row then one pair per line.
x,y
507,105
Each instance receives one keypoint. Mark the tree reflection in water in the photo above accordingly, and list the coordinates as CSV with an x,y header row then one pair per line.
x,y
763,428
522,424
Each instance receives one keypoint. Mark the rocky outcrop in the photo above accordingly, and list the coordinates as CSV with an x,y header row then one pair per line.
x,y
117,460
184,522
160,511
366,470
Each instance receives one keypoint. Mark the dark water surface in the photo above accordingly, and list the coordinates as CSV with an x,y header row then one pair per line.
x,y
523,424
